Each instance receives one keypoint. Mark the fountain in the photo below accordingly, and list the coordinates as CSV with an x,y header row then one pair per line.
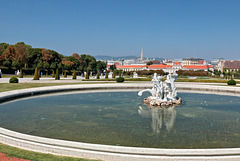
x,y
163,93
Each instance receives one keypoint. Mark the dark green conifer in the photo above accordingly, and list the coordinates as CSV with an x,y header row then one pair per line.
x,y
57,77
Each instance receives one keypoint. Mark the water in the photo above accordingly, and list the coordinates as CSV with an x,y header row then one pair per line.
x,y
119,118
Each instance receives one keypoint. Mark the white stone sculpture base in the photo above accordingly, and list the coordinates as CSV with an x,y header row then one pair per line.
x,y
158,103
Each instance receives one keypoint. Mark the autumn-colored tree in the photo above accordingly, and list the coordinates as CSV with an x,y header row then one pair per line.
x,y
21,54
76,55
10,53
46,56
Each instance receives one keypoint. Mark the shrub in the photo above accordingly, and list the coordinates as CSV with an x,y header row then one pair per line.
x,y
231,82
21,74
120,79
36,76
74,75
13,80
98,75
57,77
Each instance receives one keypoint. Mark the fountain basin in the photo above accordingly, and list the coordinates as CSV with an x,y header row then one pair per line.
x,y
107,152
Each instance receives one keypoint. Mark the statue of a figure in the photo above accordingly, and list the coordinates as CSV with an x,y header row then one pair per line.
x,y
163,93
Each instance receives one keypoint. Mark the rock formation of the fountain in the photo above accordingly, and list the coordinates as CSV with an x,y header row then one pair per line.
x,y
163,93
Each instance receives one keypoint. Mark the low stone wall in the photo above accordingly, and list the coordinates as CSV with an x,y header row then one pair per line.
x,y
108,152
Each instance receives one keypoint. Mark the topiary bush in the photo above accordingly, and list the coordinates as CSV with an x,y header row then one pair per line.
x,y
98,75
21,74
231,82
120,79
53,75
65,74
74,75
36,76
57,77
13,80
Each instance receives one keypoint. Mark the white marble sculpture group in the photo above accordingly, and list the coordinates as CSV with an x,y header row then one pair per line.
x,y
163,93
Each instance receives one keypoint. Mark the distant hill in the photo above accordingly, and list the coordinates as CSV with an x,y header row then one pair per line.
x,y
105,57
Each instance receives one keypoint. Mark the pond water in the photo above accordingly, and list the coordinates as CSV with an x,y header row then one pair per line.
x,y
120,118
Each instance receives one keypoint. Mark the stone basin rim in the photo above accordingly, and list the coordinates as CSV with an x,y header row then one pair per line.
x,y
98,151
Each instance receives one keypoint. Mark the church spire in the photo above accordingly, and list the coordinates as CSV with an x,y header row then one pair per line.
x,y
142,54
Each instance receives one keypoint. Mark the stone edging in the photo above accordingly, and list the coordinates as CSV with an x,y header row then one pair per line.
x,y
108,152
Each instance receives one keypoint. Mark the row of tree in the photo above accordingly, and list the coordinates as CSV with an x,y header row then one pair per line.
x,y
21,56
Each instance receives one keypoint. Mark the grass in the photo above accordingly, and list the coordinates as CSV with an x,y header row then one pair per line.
x,y
35,156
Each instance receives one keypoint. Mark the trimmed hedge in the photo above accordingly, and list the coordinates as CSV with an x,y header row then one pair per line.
x,y
13,80
120,79
231,82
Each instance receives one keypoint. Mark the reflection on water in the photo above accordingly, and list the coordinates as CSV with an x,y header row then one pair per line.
x,y
164,116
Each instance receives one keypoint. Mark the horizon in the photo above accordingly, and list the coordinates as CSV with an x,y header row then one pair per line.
x,y
166,29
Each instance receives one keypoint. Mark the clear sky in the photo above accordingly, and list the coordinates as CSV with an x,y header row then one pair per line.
x,y
169,29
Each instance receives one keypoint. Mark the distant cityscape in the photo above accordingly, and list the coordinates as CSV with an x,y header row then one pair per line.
x,y
137,63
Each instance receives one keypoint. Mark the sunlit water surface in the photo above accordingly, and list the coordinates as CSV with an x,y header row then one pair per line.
x,y
119,118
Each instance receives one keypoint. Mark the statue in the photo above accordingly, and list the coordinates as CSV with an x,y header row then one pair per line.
x,y
163,93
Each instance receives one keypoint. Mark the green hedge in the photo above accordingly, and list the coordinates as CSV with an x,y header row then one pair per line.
x,y
13,80
231,82
120,79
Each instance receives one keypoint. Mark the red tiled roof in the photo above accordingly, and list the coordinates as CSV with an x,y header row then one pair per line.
x,y
159,66
132,66
200,62
108,65
195,66
210,66
176,63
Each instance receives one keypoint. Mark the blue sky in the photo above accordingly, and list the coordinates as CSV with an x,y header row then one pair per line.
x,y
169,29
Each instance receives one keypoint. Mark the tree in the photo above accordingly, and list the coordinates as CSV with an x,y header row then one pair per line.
x,y
36,76
21,54
149,63
74,74
57,77
112,67
10,55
